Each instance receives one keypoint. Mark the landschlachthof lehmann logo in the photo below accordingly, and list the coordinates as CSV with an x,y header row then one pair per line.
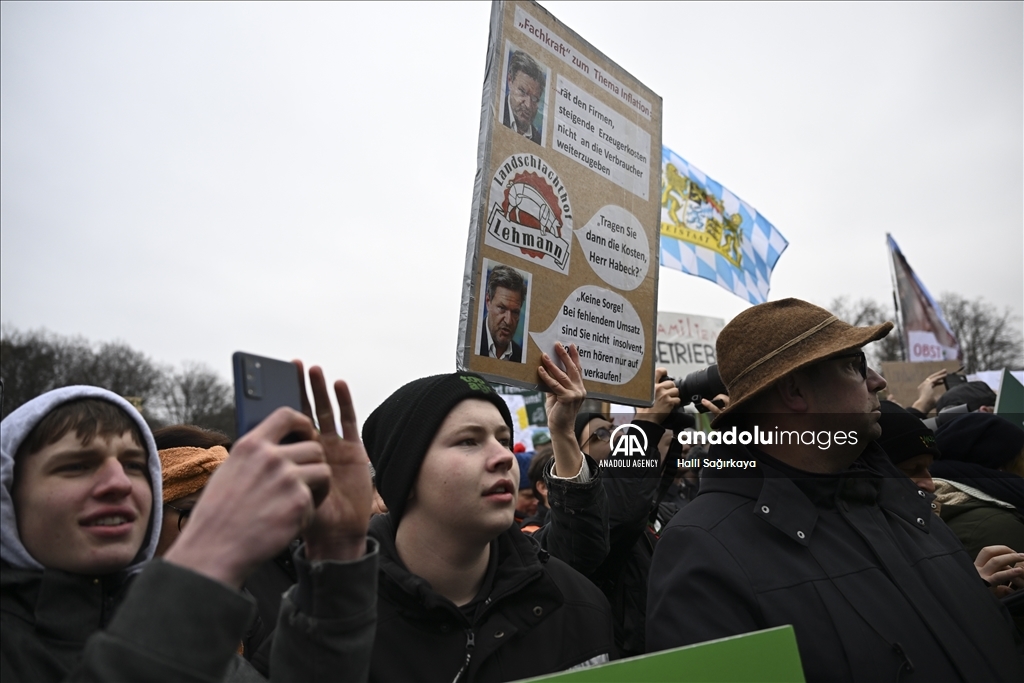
x,y
628,441
530,212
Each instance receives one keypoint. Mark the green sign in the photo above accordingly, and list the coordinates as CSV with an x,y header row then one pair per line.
x,y
764,656
1010,401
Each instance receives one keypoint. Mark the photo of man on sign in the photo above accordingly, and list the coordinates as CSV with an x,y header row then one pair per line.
x,y
524,95
505,317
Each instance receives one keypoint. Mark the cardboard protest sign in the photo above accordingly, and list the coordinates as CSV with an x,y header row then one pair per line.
x,y
686,343
563,240
902,378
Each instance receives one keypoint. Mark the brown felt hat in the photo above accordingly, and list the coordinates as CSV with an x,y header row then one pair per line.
x,y
767,342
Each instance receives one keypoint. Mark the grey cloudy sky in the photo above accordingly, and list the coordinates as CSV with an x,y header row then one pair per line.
x,y
295,180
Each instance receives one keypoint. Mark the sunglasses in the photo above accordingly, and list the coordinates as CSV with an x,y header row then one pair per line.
x,y
862,366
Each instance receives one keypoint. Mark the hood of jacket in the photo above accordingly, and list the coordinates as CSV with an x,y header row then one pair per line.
x,y
16,427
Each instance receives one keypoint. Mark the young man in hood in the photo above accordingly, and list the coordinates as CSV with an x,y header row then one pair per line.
x,y
464,594
81,514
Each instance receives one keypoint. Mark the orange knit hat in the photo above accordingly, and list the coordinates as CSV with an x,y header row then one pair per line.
x,y
187,469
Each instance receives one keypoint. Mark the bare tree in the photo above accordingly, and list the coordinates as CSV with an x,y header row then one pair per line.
x,y
865,312
988,339
37,361
197,395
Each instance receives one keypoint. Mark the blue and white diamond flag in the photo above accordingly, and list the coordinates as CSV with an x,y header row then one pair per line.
x,y
708,231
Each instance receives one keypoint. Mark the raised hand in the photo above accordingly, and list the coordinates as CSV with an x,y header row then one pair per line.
x,y
566,394
256,502
666,399
338,529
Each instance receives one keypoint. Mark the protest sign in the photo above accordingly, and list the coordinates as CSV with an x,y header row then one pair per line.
x,y
902,378
563,239
1010,400
763,656
686,343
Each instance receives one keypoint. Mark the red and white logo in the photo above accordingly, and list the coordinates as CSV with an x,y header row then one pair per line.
x,y
530,212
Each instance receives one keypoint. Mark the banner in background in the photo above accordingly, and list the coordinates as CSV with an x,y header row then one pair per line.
x,y
686,343
926,332
902,378
563,237
709,232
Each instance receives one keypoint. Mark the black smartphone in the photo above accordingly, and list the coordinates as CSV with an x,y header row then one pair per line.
x,y
262,385
953,380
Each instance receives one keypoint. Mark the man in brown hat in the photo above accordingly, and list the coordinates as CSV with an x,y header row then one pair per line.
x,y
801,519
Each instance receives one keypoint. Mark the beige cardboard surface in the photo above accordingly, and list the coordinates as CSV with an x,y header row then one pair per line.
x,y
571,204
902,378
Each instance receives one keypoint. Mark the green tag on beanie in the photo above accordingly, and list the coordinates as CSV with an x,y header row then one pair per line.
x,y
477,384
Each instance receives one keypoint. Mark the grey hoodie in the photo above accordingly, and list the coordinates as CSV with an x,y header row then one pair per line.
x,y
15,429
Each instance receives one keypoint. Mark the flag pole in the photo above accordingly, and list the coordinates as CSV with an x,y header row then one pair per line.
x,y
895,297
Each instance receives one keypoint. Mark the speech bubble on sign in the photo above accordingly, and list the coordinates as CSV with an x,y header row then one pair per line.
x,y
616,247
605,328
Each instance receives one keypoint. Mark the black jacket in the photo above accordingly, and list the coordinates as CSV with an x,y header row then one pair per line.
x,y
623,576
539,617
176,625
875,585
576,528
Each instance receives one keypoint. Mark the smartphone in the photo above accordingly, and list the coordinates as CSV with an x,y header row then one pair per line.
x,y
262,385
953,379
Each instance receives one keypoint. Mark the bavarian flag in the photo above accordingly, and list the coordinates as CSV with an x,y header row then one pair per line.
x,y
708,231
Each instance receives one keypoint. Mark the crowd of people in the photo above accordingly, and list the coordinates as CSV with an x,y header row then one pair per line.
x,y
430,547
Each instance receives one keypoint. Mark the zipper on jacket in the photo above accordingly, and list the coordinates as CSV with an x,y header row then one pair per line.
x,y
470,644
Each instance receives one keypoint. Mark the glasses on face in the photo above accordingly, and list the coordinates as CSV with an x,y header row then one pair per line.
x,y
601,434
182,515
862,366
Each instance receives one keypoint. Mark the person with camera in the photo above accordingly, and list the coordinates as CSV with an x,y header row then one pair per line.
x,y
807,522
82,512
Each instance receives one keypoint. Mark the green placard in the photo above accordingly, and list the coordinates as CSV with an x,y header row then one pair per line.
x,y
765,656
1010,401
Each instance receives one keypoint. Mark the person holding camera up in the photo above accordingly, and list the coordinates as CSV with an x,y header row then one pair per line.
x,y
82,510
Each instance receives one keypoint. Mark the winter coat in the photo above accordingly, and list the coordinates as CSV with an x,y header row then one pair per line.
x,y
623,576
979,519
539,617
158,621
176,625
576,531
876,587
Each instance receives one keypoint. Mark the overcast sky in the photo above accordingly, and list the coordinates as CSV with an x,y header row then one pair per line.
x,y
296,180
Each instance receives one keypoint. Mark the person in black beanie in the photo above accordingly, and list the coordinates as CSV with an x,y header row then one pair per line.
x,y
975,395
978,480
912,448
463,593
908,443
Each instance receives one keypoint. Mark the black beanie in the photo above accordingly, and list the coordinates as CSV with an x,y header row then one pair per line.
x,y
904,436
398,433
974,394
982,438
